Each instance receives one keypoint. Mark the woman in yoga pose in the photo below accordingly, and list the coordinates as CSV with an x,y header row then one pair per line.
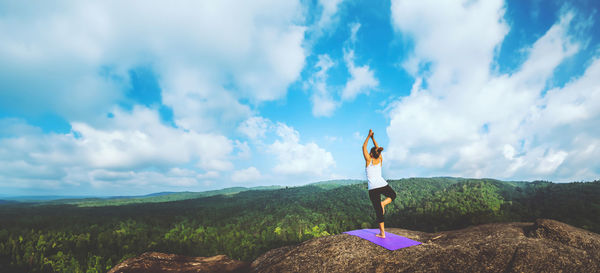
x,y
377,185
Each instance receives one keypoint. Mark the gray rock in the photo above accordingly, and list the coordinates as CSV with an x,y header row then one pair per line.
x,y
543,246
155,262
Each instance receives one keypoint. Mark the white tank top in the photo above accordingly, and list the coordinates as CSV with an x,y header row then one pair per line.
x,y
374,178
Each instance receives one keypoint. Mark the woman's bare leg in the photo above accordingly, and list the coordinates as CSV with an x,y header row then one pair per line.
x,y
381,225
381,231
385,203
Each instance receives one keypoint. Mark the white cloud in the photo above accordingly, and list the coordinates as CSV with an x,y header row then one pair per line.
x,y
362,78
326,19
294,158
243,150
139,139
208,175
323,106
73,58
11,127
198,103
457,38
321,98
145,181
19,168
330,8
254,127
472,121
287,133
249,174
117,150
106,175
133,151
354,27
50,61
211,60
361,81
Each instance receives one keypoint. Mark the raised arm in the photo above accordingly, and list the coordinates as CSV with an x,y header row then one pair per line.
x,y
374,142
365,152
376,146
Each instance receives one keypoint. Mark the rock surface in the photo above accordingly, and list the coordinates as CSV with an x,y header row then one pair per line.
x,y
155,262
543,246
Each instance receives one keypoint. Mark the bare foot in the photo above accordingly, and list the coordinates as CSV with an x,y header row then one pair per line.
x,y
383,208
380,235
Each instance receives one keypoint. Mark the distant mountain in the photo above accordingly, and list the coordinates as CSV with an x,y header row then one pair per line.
x,y
87,201
160,193
159,197
93,201
41,198
330,184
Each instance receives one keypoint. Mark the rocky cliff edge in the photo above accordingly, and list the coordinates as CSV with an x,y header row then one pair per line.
x,y
542,246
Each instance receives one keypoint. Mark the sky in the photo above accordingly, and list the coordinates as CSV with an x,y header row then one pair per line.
x,y
124,98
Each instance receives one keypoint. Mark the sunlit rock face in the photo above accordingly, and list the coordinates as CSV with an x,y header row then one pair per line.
x,y
543,246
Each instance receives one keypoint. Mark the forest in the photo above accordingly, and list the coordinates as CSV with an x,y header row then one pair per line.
x,y
94,235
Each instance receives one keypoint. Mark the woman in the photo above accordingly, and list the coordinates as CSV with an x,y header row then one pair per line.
x,y
377,185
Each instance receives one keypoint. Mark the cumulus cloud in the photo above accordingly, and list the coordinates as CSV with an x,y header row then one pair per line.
x,y
139,139
198,103
244,175
456,39
362,78
80,53
330,8
243,149
321,98
254,127
119,149
175,178
361,81
326,19
50,62
294,158
212,60
11,127
461,118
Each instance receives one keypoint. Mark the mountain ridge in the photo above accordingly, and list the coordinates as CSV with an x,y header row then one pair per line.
x,y
157,196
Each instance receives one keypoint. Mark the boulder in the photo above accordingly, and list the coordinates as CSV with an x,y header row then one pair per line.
x,y
155,262
543,246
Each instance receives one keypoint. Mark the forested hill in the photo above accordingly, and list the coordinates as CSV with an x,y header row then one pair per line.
x,y
243,225
125,200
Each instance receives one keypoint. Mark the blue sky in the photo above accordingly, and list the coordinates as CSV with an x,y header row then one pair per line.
x,y
106,98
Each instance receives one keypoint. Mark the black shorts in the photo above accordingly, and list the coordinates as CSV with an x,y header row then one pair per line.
x,y
375,196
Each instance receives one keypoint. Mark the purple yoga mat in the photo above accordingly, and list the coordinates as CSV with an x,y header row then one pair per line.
x,y
391,241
